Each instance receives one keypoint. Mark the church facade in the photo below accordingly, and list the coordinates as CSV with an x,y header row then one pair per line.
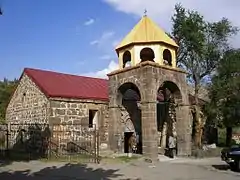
x,y
147,96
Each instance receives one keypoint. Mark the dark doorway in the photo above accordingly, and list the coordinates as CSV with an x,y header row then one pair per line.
x,y
167,96
127,136
131,111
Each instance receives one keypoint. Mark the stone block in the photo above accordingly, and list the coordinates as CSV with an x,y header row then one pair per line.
x,y
60,111
54,104
54,120
73,106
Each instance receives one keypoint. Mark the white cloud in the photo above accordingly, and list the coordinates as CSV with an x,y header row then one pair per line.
x,y
161,12
94,42
89,22
104,37
103,73
105,57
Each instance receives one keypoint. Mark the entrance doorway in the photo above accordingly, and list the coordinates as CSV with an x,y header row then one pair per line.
x,y
127,136
131,115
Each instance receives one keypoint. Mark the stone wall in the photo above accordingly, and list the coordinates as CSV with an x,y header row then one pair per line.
x,y
28,104
148,77
75,114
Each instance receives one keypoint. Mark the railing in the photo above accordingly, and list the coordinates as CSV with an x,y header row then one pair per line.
x,y
75,142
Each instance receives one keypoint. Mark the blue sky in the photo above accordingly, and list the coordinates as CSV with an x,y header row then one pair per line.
x,y
66,36
78,36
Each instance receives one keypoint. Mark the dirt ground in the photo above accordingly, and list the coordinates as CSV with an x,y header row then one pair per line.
x,y
177,169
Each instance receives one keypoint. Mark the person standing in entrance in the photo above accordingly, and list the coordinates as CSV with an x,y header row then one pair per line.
x,y
131,143
171,145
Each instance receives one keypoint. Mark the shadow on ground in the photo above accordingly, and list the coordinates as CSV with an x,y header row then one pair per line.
x,y
222,167
67,171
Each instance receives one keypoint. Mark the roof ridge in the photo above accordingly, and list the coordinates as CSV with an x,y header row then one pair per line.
x,y
61,73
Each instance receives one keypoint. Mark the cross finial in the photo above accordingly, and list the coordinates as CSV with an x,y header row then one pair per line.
x,y
145,12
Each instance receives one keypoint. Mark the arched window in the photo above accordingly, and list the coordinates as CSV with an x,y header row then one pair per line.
x,y
127,59
167,57
147,54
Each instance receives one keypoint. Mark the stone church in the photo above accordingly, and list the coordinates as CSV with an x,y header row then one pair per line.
x,y
147,96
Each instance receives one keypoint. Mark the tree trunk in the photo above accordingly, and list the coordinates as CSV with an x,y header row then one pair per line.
x,y
229,136
198,128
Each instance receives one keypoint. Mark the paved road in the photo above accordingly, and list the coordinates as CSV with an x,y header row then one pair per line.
x,y
179,169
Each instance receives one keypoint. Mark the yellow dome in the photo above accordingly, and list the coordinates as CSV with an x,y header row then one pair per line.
x,y
146,31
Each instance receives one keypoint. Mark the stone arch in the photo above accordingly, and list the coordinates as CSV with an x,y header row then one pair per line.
x,y
129,100
127,58
168,96
167,57
147,54
172,88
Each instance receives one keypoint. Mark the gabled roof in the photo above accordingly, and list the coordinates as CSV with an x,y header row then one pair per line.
x,y
146,31
60,85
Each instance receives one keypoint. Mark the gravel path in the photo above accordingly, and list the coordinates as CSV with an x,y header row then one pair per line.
x,y
178,169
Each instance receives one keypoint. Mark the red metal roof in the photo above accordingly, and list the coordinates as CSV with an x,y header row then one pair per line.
x,y
61,85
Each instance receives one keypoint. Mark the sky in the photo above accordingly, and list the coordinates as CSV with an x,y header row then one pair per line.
x,y
79,36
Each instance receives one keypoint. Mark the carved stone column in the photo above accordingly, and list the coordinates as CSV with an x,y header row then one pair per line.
x,y
184,129
114,116
149,129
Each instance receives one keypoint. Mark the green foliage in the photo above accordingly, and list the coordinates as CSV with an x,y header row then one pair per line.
x,y
222,137
224,107
201,43
6,89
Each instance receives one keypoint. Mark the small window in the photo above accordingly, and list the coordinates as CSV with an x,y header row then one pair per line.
x,y
92,114
126,59
23,97
167,57
147,54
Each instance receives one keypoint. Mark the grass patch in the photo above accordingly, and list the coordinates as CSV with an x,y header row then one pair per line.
x,y
80,158
119,159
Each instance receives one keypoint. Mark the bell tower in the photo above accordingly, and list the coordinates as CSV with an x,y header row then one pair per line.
x,y
147,42
147,66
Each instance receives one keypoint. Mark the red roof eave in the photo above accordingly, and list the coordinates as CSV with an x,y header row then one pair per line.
x,y
79,97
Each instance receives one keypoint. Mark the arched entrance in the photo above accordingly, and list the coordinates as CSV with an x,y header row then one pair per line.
x,y
131,115
168,96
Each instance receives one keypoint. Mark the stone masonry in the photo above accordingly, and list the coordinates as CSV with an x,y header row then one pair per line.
x,y
148,77
30,105
70,112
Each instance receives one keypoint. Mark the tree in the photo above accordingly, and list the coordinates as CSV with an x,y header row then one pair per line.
x,y
6,89
224,107
201,46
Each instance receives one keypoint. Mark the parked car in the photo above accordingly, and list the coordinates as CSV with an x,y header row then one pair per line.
x,y
232,156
